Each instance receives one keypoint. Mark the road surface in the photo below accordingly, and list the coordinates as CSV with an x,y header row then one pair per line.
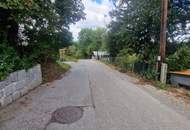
x,y
110,100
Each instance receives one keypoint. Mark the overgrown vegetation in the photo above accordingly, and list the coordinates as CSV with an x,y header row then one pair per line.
x,y
10,61
180,60
161,85
68,54
136,26
89,40
126,60
32,31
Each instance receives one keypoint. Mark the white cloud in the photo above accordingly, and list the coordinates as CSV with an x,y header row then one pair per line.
x,y
97,15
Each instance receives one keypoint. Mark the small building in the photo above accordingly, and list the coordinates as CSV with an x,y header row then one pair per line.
x,y
100,55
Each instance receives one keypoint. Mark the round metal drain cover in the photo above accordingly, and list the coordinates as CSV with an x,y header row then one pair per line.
x,y
67,115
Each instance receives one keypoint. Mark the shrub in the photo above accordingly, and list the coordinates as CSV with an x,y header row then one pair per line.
x,y
68,54
10,61
125,59
8,58
180,60
151,73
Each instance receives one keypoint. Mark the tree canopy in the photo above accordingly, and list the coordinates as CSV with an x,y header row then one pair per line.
x,y
36,29
91,40
136,25
37,21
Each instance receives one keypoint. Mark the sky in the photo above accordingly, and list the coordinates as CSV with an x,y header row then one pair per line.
x,y
97,15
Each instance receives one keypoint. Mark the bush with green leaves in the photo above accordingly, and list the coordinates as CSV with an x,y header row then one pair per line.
x,y
151,73
10,61
180,60
125,59
6,62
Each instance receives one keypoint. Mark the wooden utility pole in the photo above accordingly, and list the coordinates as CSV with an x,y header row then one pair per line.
x,y
162,68
164,17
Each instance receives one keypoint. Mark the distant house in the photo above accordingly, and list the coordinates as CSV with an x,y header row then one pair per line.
x,y
100,55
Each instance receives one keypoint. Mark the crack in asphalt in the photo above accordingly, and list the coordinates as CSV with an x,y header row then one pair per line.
x,y
91,92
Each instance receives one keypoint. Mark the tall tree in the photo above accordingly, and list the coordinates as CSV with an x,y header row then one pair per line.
x,y
136,25
91,40
31,26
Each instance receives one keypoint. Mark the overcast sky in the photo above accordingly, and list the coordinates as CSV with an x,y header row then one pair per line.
x,y
96,16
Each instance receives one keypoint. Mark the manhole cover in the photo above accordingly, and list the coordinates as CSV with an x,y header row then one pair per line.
x,y
67,115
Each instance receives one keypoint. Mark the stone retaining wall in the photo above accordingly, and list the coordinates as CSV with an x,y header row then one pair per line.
x,y
18,84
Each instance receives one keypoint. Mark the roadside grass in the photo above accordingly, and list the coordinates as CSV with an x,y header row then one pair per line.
x,y
63,65
54,70
69,58
160,85
177,91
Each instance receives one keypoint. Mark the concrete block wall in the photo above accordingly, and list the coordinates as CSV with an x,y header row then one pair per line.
x,y
18,84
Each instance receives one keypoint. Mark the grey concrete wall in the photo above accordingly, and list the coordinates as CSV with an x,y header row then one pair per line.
x,y
18,84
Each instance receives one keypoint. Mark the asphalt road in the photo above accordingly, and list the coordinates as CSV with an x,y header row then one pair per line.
x,y
111,101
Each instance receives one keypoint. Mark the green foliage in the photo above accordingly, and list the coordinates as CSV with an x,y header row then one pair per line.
x,y
136,25
91,40
69,54
160,85
6,63
63,65
151,73
126,60
70,11
10,61
35,30
41,19
180,60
